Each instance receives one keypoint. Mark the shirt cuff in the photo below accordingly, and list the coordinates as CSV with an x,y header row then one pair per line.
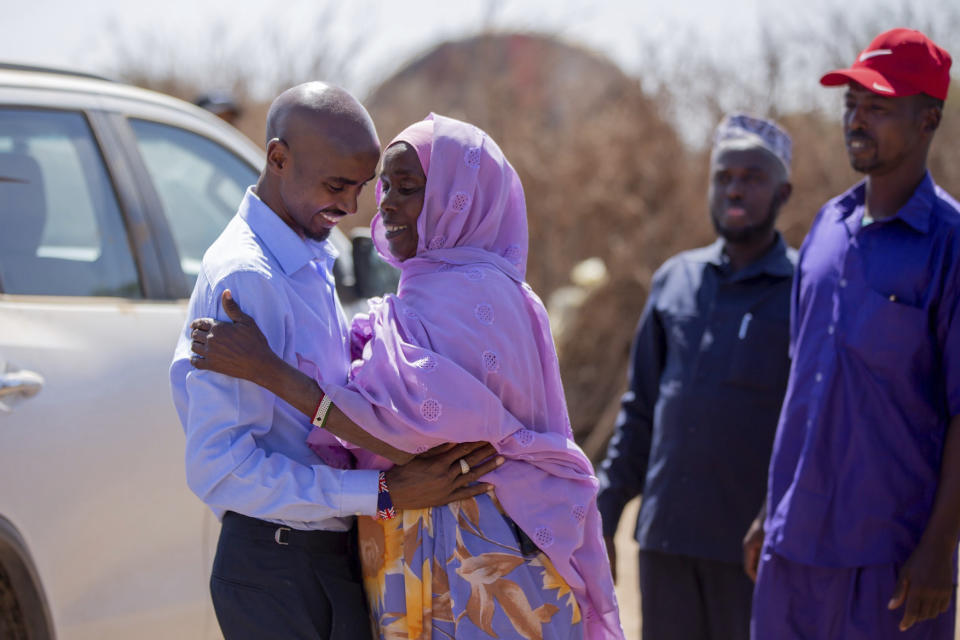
x,y
358,492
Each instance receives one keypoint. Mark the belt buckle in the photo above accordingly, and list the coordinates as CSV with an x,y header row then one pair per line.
x,y
279,537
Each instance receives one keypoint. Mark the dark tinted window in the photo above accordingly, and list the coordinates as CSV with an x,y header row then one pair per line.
x,y
61,231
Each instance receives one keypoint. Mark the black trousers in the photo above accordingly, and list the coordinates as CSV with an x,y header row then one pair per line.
x,y
274,582
685,598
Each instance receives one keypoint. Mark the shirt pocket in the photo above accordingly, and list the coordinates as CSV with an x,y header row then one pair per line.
x,y
683,333
759,358
886,333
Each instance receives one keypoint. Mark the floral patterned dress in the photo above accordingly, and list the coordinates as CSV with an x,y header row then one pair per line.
x,y
457,571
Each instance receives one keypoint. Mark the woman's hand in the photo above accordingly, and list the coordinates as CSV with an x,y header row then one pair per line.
x,y
237,349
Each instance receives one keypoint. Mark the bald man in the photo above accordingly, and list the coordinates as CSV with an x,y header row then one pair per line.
x,y
285,565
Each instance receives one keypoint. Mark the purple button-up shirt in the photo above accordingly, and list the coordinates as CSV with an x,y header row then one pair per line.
x,y
875,379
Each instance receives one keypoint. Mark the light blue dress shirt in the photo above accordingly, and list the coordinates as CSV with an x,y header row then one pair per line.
x,y
245,448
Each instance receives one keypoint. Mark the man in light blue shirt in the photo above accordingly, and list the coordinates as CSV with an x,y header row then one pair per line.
x,y
285,564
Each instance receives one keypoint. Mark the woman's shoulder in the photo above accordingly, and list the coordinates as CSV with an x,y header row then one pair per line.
x,y
453,286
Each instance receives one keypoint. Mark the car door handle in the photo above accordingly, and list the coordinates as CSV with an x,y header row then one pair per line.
x,y
20,383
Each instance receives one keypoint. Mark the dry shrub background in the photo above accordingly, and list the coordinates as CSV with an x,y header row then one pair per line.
x,y
606,159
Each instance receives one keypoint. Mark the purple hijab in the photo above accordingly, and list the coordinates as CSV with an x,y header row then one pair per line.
x,y
464,352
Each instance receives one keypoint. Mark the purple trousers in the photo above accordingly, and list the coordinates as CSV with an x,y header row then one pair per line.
x,y
794,601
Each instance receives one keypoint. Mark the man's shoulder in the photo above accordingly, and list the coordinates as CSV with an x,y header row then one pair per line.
x,y
947,209
844,202
695,257
237,250
679,267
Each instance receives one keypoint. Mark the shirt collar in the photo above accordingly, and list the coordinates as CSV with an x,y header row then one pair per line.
x,y
774,262
290,250
915,213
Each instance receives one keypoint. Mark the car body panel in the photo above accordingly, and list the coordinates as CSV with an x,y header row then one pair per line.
x,y
91,467
118,540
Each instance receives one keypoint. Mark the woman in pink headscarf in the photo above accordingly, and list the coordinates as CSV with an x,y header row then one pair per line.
x,y
464,352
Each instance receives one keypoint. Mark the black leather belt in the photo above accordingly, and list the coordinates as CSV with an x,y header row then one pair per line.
x,y
261,530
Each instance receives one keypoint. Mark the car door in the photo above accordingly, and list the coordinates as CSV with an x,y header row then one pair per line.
x,y
91,450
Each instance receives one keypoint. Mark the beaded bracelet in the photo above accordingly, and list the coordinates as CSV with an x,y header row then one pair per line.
x,y
385,509
323,408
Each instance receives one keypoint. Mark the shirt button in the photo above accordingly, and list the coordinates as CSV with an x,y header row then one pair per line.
x,y
818,377
843,282
809,423
830,329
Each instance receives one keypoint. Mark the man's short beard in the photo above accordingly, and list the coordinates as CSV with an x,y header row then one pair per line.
x,y
864,167
317,236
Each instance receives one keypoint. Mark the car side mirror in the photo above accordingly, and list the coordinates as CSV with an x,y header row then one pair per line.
x,y
372,276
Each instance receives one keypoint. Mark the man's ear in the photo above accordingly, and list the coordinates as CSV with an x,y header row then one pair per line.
x,y
278,155
783,193
931,119
928,112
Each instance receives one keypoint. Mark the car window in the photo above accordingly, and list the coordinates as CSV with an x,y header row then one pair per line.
x,y
61,230
200,184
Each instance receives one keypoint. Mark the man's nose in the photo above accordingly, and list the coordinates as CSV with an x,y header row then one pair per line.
x,y
855,117
735,189
348,201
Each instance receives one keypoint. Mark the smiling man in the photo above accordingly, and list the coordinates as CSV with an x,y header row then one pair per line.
x,y
707,376
864,488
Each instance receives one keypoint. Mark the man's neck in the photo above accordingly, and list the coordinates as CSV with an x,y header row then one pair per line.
x,y
743,254
887,193
269,195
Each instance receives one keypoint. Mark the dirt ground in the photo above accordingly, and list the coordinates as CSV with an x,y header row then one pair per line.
x,y
628,594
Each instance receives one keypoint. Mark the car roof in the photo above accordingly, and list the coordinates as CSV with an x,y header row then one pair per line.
x,y
55,88
37,77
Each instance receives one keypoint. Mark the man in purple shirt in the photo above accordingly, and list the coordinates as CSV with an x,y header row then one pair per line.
x,y
863,505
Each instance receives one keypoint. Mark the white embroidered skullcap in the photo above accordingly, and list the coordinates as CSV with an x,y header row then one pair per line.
x,y
740,129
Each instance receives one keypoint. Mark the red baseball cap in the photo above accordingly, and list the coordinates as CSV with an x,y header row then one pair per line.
x,y
899,62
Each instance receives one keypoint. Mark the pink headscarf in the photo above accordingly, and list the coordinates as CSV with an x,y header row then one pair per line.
x,y
464,352
419,135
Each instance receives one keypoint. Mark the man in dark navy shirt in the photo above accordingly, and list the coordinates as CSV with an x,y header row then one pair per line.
x,y
863,509
707,376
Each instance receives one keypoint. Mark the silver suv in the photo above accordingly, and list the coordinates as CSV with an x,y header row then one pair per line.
x,y
109,196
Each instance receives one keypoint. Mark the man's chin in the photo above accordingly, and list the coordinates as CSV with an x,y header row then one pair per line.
x,y
863,165
318,236
747,233
735,232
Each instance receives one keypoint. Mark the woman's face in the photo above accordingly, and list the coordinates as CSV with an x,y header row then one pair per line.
x,y
403,186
